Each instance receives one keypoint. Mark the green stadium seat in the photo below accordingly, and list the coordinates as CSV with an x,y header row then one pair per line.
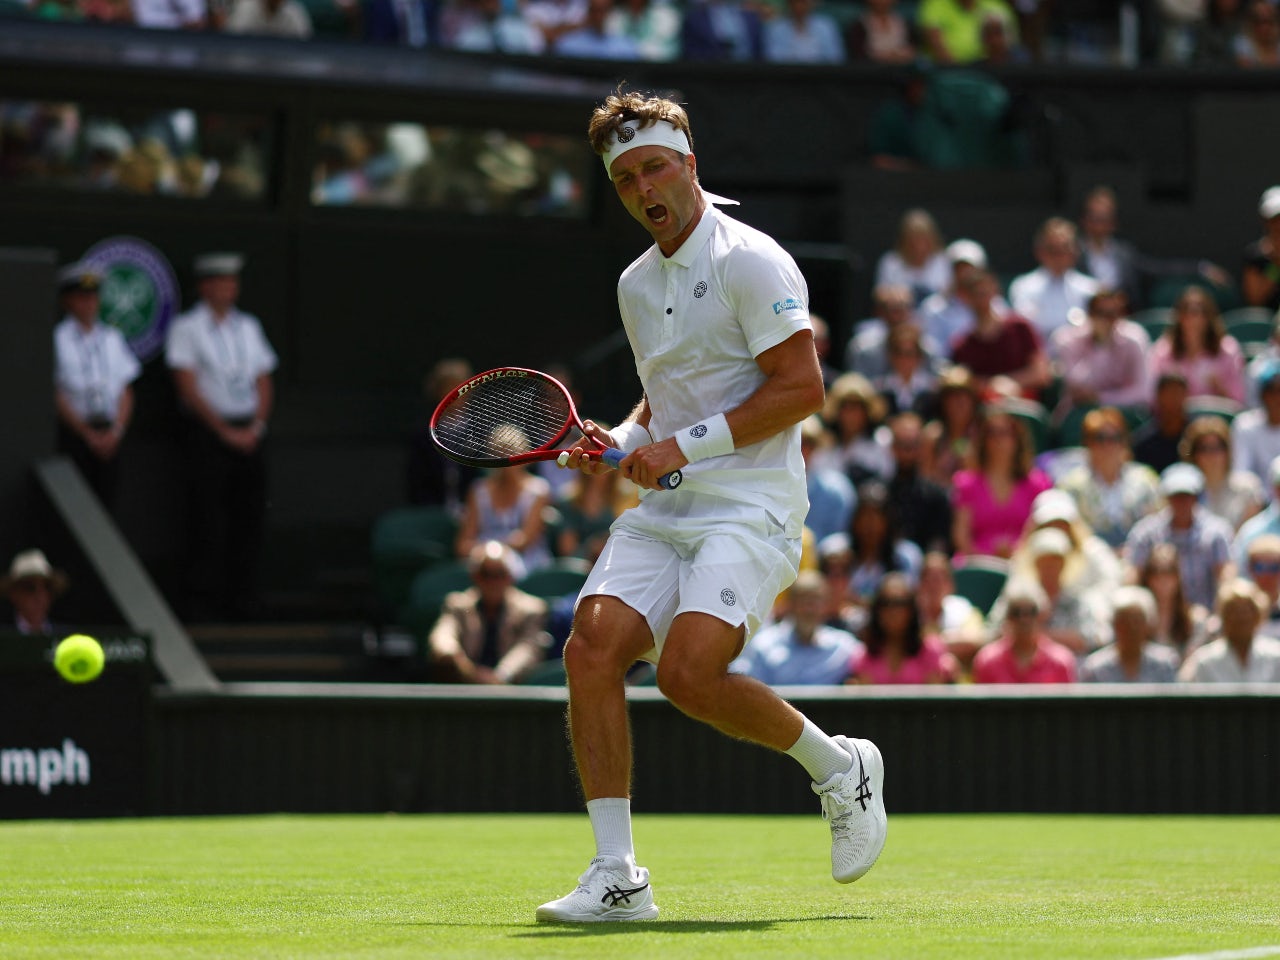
x,y
1248,315
1036,418
1212,406
1165,292
1154,320
547,674
427,593
565,576
980,580
405,541
1252,335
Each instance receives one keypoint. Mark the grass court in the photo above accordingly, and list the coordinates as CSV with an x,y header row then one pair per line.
x,y
457,886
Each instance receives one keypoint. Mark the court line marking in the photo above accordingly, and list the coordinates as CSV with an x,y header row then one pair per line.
x,y
1245,954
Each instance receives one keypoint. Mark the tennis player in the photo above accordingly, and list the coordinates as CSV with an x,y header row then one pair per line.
x,y
717,316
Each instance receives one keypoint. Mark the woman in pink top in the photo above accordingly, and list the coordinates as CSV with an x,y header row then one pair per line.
x,y
1198,346
992,503
896,650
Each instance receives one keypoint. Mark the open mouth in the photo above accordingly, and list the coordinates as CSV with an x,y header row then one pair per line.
x,y
656,213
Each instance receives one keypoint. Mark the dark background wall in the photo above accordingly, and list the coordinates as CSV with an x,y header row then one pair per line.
x,y
361,302
957,750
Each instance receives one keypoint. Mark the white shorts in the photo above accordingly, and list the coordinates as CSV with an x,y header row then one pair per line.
x,y
690,552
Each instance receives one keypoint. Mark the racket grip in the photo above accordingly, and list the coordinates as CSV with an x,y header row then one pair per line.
x,y
613,456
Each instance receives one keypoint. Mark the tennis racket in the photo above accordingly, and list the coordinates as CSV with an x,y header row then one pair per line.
x,y
512,415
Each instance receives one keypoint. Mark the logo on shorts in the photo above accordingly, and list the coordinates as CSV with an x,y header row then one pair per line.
x,y
626,134
698,431
700,289
728,597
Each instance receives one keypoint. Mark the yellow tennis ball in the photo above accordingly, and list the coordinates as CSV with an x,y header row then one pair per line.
x,y
79,658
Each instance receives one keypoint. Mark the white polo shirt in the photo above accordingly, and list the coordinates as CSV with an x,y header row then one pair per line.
x,y
696,321
226,355
92,368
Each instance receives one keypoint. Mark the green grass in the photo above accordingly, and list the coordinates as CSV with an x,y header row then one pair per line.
x,y
466,886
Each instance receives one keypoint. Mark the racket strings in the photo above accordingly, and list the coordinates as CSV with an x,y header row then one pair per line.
x,y
503,417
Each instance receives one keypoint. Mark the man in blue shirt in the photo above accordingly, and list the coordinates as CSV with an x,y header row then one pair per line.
x,y
800,649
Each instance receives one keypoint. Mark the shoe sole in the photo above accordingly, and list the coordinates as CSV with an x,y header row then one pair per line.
x,y
618,916
875,763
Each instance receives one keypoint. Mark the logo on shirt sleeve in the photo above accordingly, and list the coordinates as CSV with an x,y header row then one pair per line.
x,y
784,306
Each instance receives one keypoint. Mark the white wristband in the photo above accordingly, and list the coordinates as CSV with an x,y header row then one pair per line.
x,y
630,436
709,438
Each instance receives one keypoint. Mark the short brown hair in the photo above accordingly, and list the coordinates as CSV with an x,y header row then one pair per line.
x,y
623,105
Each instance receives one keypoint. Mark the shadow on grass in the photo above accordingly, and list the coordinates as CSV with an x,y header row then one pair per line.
x,y
563,930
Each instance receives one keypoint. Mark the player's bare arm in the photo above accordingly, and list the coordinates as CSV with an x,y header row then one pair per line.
x,y
791,391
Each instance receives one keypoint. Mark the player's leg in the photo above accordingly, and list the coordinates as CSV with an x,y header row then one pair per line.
x,y
610,633
607,638
848,774
726,591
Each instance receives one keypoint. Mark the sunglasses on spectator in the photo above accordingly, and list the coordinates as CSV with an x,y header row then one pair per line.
x,y
1020,610
1264,566
1106,437
1211,447
1106,314
896,601
492,573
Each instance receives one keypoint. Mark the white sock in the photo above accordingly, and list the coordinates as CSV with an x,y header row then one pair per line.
x,y
611,824
821,756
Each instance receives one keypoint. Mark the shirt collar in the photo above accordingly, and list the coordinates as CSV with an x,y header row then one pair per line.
x,y
693,244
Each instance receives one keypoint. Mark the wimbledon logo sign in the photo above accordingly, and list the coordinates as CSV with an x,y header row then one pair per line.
x,y
139,291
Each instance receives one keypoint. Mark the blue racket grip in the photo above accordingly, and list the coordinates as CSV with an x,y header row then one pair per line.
x,y
613,456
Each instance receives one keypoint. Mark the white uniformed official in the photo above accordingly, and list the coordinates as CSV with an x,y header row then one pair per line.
x,y
94,370
222,365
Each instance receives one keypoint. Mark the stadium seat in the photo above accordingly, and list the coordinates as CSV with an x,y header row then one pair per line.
x,y
1165,292
1212,406
1253,339
1239,315
1036,418
565,576
1154,320
980,580
427,593
405,541
549,673
1253,328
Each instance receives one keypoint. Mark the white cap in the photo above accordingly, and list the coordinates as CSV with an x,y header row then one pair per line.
x,y
967,251
1181,478
1269,205
1054,505
218,264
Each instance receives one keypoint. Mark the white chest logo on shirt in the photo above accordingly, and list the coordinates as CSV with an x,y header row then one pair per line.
x,y
728,597
700,289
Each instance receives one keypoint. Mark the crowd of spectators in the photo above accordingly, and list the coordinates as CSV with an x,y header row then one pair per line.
x,y
1118,477
1242,33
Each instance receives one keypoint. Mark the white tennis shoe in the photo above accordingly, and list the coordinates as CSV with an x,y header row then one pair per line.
x,y
853,803
612,889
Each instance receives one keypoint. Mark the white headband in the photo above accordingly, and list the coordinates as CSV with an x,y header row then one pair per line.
x,y
630,135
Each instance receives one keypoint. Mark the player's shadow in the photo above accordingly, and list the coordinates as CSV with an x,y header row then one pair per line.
x,y
562,930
